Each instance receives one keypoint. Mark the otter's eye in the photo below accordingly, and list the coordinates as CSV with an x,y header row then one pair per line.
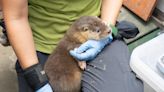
x,y
85,28
98,31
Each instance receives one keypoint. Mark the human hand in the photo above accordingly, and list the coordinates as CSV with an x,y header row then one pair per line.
x,y
90,49
45,88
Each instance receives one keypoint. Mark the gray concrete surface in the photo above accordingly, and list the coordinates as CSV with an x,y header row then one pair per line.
x,y
144,27
8,79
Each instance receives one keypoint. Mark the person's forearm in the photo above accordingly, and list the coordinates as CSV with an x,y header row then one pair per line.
x,y
20,37
110,10
19,32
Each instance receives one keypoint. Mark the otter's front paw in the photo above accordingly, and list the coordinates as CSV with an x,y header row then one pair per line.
x,y
82,65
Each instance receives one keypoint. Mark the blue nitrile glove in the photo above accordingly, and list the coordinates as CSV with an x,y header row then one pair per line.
x,y
45,88
90,49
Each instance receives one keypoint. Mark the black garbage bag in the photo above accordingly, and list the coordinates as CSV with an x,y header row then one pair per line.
x,y
126,30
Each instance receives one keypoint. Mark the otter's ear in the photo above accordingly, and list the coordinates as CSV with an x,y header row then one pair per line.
x,y
84,27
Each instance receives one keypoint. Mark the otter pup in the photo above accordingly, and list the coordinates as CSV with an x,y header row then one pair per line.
x,y
62,69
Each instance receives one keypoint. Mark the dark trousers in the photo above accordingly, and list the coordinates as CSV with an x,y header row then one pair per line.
x,y
108,72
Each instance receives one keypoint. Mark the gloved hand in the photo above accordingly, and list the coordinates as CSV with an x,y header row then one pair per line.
x,y
90,49
45,88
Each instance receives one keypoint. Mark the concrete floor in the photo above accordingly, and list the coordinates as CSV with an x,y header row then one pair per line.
x,y
8,80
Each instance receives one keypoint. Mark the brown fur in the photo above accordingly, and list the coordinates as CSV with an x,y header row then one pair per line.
x,y
62,69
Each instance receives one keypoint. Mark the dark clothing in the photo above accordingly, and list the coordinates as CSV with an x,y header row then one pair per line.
x,y
108,72
22,84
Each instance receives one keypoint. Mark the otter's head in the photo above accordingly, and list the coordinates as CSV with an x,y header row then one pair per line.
x,y
88,27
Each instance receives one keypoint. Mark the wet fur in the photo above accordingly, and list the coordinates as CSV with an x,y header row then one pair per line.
x,y
62,69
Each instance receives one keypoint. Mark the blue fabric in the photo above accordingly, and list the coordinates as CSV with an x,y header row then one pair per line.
x,y
45,88
90,49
